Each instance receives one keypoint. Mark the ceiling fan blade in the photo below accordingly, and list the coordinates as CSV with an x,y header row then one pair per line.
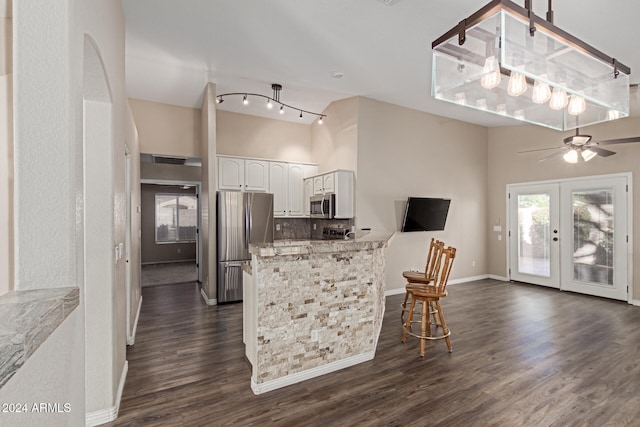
x,y
602,152
619,140
552,155
538,149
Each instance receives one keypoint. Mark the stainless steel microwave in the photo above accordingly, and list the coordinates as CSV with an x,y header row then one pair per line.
x,y
323,206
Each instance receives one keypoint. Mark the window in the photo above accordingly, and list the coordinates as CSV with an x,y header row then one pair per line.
x,y
176,218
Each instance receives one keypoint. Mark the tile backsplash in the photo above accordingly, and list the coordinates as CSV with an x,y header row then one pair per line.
x,y
303,228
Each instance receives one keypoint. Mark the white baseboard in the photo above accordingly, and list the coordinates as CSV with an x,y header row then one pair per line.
x,y
401,290
310,373
132,339
635,302
501,278
109,414
209,301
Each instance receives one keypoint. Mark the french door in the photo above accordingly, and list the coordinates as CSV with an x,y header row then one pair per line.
x,y
571,235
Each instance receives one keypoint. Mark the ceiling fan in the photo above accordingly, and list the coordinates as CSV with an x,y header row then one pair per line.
x,y
581,146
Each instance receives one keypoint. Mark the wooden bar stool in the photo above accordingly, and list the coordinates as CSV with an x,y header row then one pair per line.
x,y
430,295
435,248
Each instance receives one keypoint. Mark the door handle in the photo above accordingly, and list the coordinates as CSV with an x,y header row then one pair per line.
x,y
555,239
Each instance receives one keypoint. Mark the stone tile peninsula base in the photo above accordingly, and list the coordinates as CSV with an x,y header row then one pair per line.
x,y
312,307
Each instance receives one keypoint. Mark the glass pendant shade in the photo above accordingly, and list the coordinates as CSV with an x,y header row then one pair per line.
x,y
577,105
517,84
559,99
541,91
492,56
491,73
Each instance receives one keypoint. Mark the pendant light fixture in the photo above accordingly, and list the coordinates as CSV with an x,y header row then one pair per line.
x,y
271,100
506,60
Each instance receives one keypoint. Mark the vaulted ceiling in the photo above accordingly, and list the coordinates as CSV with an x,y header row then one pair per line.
x,y
379,49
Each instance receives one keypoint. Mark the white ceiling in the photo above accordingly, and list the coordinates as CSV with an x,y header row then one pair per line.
x,y
173,48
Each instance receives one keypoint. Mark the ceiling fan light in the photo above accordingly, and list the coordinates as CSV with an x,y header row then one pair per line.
x,y
571,156
541,91
577,105
588,154
490,73
517,84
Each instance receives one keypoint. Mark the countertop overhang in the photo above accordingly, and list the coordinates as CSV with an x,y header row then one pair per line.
x,y
368,241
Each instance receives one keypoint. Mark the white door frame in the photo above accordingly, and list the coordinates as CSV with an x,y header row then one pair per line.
x,y
629,193
197,185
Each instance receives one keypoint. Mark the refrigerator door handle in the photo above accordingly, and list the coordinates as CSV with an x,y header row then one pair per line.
x,y
235,264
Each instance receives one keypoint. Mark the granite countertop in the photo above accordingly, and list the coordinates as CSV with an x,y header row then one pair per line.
x,y
362,241
27,318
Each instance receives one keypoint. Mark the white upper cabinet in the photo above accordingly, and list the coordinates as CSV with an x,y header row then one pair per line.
x,y
323,184
285,180
243,174
308,193
230,173
287,185
295,190
256,175
278,184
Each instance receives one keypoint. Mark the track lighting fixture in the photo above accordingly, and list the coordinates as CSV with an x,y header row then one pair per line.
x,y
275,99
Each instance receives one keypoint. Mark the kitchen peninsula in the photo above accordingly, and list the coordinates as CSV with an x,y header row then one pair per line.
x,y
312,307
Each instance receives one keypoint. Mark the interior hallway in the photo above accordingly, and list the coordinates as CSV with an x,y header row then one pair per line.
x,y
169,273
522,355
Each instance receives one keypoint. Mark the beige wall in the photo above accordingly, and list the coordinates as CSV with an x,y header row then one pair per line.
x,y
251,136
334,143
167,129
6,151
404,152
506,166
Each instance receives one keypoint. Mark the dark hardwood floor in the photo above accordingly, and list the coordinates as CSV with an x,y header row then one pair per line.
x,y
522,355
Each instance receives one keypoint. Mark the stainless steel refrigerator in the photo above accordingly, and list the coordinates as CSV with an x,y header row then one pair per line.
x,y
243,218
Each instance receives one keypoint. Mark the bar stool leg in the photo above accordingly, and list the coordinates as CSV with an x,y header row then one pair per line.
x,y
445,330
407,324
404,305
423,329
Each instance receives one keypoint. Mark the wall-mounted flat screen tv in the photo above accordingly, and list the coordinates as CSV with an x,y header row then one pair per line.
x,y
425,214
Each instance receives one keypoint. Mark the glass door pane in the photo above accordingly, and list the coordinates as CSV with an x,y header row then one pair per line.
x,y
533,234
593,224
595,251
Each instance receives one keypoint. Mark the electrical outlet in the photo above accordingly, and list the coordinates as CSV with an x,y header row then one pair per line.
x,y
277,227
314,226
473,264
